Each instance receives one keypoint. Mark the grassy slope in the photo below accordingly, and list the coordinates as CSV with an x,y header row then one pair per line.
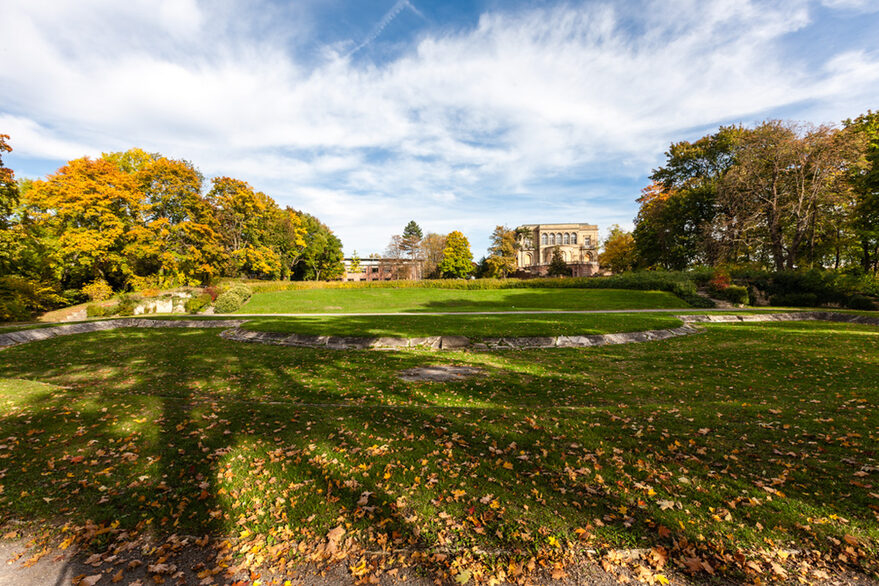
x,y
440,300
682,434
477,326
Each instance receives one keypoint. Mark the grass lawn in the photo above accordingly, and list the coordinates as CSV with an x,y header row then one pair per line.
x,y
714,448
439,300
476,326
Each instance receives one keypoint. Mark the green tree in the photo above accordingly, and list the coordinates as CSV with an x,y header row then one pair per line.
x,y
676,224
457,261
557,266
501,260
322,257
619,250
864,179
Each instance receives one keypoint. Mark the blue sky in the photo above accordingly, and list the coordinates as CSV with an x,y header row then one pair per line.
x,y
459,115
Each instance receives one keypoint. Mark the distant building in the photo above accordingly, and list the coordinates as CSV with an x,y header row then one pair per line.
x,y
381,269
578,244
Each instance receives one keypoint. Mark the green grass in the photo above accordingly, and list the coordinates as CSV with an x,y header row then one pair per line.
x,y
179,431
444,300
476,326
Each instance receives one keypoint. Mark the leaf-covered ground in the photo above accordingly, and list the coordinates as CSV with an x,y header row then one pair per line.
x,y
748,452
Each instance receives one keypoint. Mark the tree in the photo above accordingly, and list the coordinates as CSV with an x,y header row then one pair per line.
x,y
432,246
557,266
87,209
457,261
322,257
676,224
394,260
864,180
785,179
619,250
244,219
502,252
8,187
355,263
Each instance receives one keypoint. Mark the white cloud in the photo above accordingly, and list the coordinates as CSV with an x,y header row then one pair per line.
x,y
445,133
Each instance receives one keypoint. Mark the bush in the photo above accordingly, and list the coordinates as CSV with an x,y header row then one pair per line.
x,y
98,290
228,302
95,310
126,306
21,298
860,302
214,292
734,294
196,304
242,291
795,300
150,292
73,296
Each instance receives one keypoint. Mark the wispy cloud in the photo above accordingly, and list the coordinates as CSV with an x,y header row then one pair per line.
x,y
546,114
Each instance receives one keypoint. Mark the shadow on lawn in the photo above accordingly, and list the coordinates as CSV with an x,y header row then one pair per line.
x,y
268,439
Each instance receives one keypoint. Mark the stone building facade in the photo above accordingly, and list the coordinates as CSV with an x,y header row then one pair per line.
x,y
578,244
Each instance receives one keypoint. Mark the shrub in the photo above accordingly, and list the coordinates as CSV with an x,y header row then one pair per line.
x,y
734,294
861,302
196,304
95,310
214,292
126,305
73,296
795,300
228,302
150,292
21,298
242,291
98,290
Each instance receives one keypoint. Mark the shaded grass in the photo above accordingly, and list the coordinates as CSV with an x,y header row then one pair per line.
x,y
387,300
224,437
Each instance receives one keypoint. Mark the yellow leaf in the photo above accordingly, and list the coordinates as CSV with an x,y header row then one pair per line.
x,y
660,578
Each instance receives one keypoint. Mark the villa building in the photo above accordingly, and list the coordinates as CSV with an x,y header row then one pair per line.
x,y
578,244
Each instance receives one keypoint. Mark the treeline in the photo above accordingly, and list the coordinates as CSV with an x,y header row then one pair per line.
x,y
415,255
139,220
779,196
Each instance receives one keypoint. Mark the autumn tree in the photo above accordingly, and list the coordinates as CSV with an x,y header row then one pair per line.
x,y
501,260
87,210
431,253
785,179
619,250
244,219
457,261
355,263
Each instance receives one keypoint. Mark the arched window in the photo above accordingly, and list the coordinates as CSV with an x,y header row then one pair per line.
x,y
567,238
559,237
543,239
574,238
551,239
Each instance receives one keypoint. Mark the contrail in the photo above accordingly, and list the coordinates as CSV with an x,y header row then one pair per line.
x,y
389,16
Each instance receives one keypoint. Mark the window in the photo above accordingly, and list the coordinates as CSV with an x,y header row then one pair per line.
x,y
588,241
543,239
552,239
574,238
567,238
559,237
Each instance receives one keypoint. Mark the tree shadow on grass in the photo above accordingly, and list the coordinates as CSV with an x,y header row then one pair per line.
x,y
208,437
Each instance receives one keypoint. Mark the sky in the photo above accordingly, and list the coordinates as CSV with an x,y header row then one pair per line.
x,y
460,115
